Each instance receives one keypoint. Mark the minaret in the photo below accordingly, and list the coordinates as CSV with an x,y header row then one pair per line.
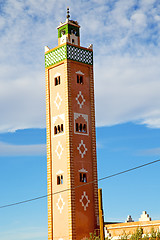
x,y
71,140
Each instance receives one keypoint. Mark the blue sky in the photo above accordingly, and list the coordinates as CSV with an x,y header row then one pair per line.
x,y
126,39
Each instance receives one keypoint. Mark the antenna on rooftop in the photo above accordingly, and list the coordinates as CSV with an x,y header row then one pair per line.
x,y
68,15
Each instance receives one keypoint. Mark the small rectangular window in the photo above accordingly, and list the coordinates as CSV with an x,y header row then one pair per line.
x,y
57,80
83,177
80,79
61,127
59,179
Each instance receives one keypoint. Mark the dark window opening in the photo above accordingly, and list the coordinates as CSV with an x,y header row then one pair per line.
x,y
55,130
72,40
83,177
84,128
81,128
59,179
58,129
76,127
80,79
57,81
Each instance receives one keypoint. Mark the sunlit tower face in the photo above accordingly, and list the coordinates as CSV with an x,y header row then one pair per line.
x,y
71,141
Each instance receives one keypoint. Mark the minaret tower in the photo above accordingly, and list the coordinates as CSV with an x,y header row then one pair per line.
x,y
71,140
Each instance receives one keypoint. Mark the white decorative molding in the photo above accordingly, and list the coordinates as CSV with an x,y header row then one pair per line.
x,y
58,100
80,99
59,150
59,172
85,117
61,202
77,115
57,75
80,73
82,170
144,217
82,149
87,201
61,116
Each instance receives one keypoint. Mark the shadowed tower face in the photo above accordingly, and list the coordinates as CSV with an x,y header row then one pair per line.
x,y
71,140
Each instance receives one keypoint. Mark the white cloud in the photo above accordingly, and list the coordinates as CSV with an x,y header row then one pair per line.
x,y
126,48
22,150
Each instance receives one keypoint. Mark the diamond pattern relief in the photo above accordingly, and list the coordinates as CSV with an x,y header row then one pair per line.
x,y
59,150
82,149
60,204
84,200
80,99
58,101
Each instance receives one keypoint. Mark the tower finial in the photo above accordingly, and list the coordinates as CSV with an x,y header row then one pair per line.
x,y
68,16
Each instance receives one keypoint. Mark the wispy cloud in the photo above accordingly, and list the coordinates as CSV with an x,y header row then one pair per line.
x,y
126,40
150,152
22,150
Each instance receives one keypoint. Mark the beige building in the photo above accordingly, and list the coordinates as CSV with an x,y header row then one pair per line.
x,y
116,230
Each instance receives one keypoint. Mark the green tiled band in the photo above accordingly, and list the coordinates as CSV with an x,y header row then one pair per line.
x,y
70,52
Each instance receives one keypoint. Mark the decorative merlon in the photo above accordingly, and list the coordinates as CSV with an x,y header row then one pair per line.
x,y
129,219
144,217
46,48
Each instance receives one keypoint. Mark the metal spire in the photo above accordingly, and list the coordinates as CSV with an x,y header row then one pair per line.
x,y
68,16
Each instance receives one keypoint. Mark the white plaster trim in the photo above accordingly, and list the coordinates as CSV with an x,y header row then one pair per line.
x,y
57,75
79,149
63,203
80,73
82,170
60,100
61,116
83,99
84,195
59,172
57,152
85,116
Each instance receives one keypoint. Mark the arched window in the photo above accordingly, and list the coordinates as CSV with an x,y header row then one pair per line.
x,y
80,129
76,127
84,128
59,129
55,130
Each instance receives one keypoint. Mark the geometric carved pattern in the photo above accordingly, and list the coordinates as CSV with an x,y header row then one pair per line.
x,y
84,200
70,52
60,204
80,99
82,149
55,56
58,100
59,150
79,54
